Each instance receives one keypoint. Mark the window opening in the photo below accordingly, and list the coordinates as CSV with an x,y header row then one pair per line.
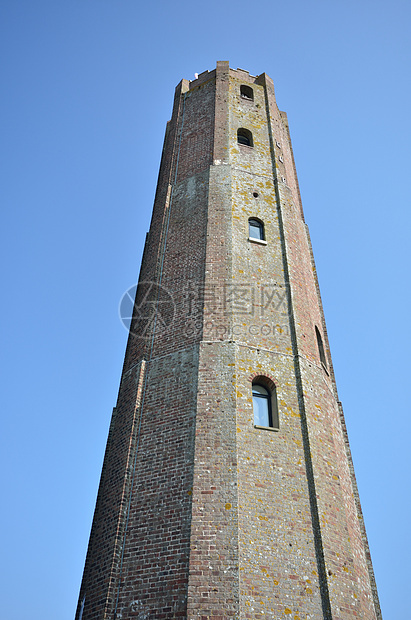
x,y
247,92
244,137
265,403
262,406
255,229
320,347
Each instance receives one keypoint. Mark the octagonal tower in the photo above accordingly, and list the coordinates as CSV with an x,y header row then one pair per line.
x,y
227,488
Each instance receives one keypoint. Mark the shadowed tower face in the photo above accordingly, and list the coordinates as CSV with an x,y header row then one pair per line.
x,y
227,488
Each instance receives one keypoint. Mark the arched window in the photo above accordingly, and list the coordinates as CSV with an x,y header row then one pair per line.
x,y
244,137
320,347
265,403
246,92
255,229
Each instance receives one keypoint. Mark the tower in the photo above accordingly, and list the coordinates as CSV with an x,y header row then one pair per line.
x,y
227,488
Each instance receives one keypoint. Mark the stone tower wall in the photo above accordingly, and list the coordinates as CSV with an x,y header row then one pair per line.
x,y
201,514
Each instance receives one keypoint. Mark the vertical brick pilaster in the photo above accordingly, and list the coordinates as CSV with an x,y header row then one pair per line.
x,y
221,134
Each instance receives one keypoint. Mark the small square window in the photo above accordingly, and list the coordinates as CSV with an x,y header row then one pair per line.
x,y
244,137
255,229
246,92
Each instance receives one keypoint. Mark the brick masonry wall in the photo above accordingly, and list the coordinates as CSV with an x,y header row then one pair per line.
x,y
200,514
136,535
278,565
155,567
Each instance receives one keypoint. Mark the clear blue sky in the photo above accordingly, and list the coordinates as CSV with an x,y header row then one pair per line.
x,y
87,88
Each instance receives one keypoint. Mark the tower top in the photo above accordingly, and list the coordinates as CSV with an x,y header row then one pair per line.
x,y
223,67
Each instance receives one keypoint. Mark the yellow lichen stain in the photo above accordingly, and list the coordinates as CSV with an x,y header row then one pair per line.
x,y
287,611
262,518
276,582
335,477
239,395
298,442
227,506
308,591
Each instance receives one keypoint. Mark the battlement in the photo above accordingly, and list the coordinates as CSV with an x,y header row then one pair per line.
x,y
240,74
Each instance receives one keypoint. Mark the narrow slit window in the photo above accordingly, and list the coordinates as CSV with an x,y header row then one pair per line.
x,y
247,92
244,137
265,404
255,229
320,347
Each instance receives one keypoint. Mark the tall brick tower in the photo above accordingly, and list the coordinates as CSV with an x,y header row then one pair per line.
x,y
228,490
